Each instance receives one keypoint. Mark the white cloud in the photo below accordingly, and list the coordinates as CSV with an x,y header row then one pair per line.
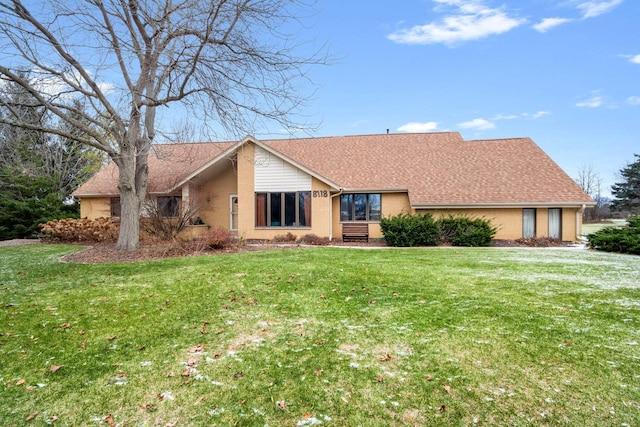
x,y
536,115
635,59
634,100
591,9
505,117
478,124
593,102
530,116
472,21
416,127
549,23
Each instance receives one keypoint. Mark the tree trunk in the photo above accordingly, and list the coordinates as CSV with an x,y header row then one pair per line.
x,y
133,173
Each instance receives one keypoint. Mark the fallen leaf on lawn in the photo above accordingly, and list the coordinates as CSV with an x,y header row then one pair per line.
x,y
21,381
238,374
192,361
385,358
204,330
379,379
51,419
112,337
319,372
150,407
446,388
567,343
443,408
372,301
429,377
197,349
32,415
109,420
186,373
308,415
281,404
55,368
65,325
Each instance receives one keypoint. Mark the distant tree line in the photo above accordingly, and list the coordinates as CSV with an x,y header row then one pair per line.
x,y
38,171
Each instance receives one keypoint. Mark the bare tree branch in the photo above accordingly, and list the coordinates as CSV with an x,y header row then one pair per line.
x,y
231,62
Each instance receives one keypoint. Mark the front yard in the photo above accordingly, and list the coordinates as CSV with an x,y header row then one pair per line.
x,y
322,336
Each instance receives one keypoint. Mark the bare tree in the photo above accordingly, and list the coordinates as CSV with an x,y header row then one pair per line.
x,y
232,61
589,180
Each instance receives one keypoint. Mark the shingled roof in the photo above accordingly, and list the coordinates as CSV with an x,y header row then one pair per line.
x,y
436,169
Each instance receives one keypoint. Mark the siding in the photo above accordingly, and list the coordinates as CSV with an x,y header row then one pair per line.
x,y
273,174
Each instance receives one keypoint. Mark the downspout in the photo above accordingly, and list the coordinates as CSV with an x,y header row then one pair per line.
x,y
579,221
331,214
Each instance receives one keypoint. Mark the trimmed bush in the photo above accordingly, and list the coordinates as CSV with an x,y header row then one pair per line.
x,y
218,238
312,239
423,230
284,238
613,239
410,230
466,231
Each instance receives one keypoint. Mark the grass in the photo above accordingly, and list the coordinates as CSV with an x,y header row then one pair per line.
x,y
597,226
329,336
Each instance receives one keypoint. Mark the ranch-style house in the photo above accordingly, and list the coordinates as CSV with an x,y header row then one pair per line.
x,y
258,189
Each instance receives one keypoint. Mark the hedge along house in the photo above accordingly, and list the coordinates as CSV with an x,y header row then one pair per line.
x,y
260,189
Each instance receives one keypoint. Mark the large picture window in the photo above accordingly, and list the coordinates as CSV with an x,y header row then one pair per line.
x,y
286,209
360,207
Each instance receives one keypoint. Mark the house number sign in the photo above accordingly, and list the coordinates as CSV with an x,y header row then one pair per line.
x,y
321,193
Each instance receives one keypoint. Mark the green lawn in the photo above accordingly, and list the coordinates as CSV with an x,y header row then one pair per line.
x,y
593,227
322,336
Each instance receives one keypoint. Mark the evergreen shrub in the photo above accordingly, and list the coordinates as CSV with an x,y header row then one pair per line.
x,y
410,230
466,231
624,240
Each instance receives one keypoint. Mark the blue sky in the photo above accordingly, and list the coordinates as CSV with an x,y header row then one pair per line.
x,y
565,73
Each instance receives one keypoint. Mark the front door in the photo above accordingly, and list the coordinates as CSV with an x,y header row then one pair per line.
x,y
233,213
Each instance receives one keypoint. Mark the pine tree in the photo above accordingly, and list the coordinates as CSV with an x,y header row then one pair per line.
x,y
627,192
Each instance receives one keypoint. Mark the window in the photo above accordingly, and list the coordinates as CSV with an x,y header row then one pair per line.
x,y
360,207
528,223
290,209
115,207
555,223
169,206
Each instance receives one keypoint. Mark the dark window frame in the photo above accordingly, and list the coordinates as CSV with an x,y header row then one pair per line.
x,y
360,207
535,222
169,206
283,209
116,209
